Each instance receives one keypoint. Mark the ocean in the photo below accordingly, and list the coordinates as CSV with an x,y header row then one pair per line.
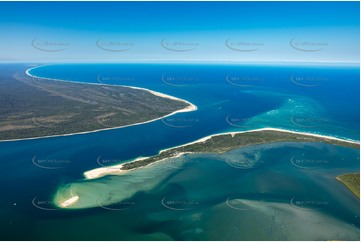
x,y
281,191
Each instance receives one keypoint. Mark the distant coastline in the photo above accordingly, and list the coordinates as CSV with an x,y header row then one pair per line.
x,y
191,107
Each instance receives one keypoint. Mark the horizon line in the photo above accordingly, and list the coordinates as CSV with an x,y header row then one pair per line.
x,y
193,61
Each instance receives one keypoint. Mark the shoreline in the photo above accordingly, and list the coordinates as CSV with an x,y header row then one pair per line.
x,y
267,129
159,94
69,202
351,181
116,169
191,107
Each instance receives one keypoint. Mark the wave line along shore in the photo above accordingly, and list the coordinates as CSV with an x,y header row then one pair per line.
x,y
191,107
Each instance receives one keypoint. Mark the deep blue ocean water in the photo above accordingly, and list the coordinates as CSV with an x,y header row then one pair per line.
x,y
211,190
314,99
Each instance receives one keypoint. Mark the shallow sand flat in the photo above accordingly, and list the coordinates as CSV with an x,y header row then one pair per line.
x,y
279,219
103,193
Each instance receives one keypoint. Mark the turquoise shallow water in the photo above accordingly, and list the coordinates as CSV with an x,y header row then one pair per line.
x,y
313,99
275,191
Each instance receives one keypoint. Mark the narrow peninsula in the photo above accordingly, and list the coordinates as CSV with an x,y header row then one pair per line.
x,y
221,143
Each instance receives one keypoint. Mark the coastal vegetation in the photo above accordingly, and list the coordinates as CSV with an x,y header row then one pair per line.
x,y
226,142
35,107
351,181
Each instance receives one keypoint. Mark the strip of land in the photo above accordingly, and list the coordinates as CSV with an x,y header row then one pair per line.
x,y
351,181
33,107
221,143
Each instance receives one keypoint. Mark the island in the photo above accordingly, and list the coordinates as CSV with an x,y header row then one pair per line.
x,y
351,181
34,107
221,143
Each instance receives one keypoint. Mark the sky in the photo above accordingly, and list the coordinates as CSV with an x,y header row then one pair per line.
x,y
180,31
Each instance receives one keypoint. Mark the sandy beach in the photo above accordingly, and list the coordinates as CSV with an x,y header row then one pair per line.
x,y
103,171
70,201
264,129
116,169
191,107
